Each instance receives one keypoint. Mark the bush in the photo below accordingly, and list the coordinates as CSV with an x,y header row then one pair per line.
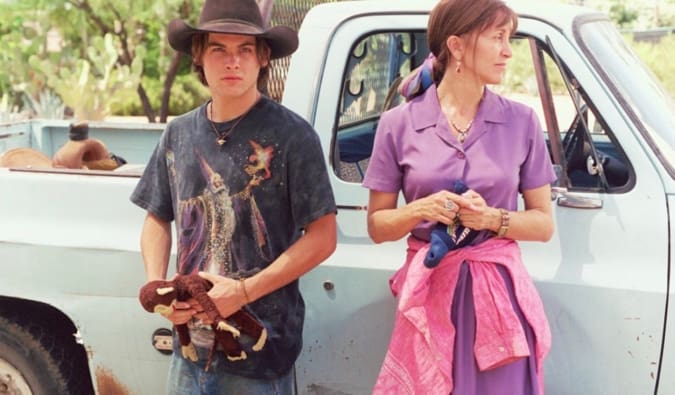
x,y
186,93
520,76
655,56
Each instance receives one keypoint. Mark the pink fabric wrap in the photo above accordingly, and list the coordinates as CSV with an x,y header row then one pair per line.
x,y
419,358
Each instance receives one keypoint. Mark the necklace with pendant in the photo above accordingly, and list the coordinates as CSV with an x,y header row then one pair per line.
x,y
222,136
461,133
447,107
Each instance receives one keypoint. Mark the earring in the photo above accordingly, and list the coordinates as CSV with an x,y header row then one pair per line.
x,y
458,69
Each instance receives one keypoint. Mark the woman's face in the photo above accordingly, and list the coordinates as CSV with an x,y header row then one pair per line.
x,y
490,52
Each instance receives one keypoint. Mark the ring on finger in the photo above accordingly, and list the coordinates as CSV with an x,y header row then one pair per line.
x,y
450,205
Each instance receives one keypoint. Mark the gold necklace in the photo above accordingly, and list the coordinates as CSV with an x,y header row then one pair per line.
x,y
461,132
222,136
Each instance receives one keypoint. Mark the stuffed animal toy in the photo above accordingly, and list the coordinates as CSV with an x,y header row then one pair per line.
x,y
26,158
79,152
82,152
445,238
159,297
89,154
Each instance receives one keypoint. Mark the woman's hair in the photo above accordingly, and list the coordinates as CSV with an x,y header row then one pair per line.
x,y
462,17
199,41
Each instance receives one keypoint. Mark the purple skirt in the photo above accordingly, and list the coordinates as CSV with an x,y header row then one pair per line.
x,y
516,378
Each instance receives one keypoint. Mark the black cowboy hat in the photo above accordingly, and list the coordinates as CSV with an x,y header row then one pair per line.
x,y
233,17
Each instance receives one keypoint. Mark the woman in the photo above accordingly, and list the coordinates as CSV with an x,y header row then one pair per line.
x,y
474,324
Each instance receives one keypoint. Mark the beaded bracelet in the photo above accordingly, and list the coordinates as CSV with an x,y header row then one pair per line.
x,y
504,227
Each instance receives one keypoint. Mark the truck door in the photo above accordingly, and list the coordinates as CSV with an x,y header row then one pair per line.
x,y
603,275
350,310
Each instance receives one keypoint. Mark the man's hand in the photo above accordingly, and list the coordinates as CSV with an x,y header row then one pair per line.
x,y
227,294
180,313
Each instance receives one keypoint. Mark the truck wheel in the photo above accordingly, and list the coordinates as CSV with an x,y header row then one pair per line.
x,y
26,366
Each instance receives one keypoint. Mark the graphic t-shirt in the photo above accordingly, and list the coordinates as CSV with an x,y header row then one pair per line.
x,y
238,206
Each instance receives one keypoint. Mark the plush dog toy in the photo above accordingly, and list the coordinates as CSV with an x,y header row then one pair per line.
x,y
445,238
160,296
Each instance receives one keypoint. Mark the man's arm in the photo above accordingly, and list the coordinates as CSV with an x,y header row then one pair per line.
x,y
317,244
156,249
155,246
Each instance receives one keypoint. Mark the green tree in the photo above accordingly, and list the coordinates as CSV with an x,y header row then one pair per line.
x,y
622,14
94,84
18,41
137,29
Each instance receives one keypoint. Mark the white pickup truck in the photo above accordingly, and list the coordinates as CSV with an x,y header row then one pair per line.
x,y
70,267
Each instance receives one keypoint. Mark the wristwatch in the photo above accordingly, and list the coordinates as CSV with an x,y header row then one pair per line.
x,y
504,227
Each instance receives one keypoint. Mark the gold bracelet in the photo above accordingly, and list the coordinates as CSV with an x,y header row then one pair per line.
x,y
243,289
504,226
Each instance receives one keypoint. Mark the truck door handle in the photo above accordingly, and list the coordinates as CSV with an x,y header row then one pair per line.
x,y
563,199
579,202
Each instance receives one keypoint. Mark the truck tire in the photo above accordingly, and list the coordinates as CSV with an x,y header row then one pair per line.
x,y
26,366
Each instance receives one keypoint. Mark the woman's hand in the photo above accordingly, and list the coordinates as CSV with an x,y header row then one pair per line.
x,y
441,206
478,215
387,222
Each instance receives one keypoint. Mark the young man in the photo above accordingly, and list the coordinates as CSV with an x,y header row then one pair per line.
x,y
245,182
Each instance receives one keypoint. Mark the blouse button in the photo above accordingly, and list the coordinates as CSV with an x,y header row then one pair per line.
x,y
461,155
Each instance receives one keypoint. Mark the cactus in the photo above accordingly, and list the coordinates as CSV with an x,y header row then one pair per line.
x,y
95,83
48,105
8,111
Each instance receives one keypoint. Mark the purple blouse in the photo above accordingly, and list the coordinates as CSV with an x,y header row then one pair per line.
x,y
415,152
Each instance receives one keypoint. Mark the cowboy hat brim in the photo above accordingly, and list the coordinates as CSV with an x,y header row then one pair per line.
x,y
282,40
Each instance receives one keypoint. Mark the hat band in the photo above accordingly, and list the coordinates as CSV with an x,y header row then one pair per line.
x,y
214,24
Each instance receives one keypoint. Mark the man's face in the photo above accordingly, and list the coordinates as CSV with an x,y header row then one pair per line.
x,y
231,65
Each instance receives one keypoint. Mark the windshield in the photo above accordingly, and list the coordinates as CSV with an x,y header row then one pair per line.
x,y
639,91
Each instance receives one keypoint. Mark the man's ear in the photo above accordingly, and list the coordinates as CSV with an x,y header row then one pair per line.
x,y
265,58
264,52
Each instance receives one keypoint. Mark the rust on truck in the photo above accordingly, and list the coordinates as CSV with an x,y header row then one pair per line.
x,y
108,384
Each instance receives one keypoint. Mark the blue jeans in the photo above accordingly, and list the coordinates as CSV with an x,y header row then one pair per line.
x,y
188,378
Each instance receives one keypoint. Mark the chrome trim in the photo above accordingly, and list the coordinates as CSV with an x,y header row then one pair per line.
x,y
357,208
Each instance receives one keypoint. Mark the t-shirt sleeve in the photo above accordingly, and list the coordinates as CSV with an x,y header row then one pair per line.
x,y
384,173
537,170
311,194
153,191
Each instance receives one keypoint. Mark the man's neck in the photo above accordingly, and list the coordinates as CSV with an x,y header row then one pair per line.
x,y
225,108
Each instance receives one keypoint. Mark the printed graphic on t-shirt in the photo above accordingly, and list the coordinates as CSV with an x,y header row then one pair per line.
x,y
207,222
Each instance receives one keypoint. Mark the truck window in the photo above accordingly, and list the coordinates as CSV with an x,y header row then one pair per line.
x,y
375,65
578,137
580,142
